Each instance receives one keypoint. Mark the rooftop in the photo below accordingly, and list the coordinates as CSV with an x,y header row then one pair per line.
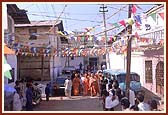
x,y
19,16
40,23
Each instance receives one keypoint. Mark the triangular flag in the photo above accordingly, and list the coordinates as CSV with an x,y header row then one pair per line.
x,y
138,18
153,15
136,35
162,15
7,74
61,33
65,33
130,21
7,67
137,24
115,24
134,9
122,22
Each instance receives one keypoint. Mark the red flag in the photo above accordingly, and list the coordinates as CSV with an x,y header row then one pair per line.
x,y
137,25
123,23
162,15
136,35
134,9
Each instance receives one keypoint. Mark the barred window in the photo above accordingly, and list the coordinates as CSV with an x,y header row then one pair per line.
x,y
148,71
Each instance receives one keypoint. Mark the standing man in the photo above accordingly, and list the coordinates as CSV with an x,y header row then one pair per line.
x,y
47,92
80,67
68,87
29,97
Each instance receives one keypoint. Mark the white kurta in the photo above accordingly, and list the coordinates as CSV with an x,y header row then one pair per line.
x,y
17,105
143,106
109,103
131,97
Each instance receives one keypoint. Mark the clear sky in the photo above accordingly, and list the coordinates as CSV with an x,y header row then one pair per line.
x,y
80,15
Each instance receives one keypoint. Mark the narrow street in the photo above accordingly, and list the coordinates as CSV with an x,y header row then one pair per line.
x,y
76,103
113,50
80,103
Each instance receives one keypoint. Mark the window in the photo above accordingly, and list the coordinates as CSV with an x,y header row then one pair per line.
x,y
148,71
33,32
12,74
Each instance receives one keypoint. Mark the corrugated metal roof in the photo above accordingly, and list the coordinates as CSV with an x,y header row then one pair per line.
x,y
19,16
40,23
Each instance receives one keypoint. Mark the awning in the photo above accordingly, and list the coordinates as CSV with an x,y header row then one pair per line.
x,y
8,50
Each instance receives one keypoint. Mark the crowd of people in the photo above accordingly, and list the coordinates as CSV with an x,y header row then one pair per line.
x,y
25,95
108,90
87,84
82,84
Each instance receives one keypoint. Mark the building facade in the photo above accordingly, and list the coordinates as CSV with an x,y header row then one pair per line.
x,y
148,59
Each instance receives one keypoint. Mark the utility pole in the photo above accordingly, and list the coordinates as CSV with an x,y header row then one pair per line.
x,y
104,10
129,29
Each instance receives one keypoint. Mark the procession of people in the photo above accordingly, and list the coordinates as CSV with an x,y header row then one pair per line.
x,y
108,91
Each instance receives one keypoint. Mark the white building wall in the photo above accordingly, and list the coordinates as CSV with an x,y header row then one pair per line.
x,y
55,67
137,65
116,61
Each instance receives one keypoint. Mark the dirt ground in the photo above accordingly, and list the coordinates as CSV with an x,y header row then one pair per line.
x,y
76,103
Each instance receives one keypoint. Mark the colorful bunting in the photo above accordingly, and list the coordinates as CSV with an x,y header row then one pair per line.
x,y
130,21
115,24
138,18
136,35
162,15
122,22
153,15
134,9
137,25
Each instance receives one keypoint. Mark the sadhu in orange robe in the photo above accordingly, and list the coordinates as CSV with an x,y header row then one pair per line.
x,y
76,84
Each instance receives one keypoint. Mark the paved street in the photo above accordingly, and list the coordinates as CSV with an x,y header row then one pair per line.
x,y
76,103
79,103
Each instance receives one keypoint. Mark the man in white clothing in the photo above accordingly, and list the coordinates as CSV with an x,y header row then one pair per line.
x,y
111,101
68,87
131,97
141,104
17,105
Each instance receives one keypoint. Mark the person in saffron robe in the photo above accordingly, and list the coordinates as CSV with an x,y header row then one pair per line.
x,y
91,84
76,84
94,85
85,85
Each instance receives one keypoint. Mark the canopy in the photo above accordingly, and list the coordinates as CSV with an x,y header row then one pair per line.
x,y
8,50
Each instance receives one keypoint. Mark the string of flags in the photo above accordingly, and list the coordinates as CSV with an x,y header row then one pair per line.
x,y
118,46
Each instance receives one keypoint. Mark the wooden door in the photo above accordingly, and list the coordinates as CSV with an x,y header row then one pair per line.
x,y
160,78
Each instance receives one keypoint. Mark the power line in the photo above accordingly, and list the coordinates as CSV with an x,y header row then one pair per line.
x,y
117,8
68,13
65,18
116,12
40,10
